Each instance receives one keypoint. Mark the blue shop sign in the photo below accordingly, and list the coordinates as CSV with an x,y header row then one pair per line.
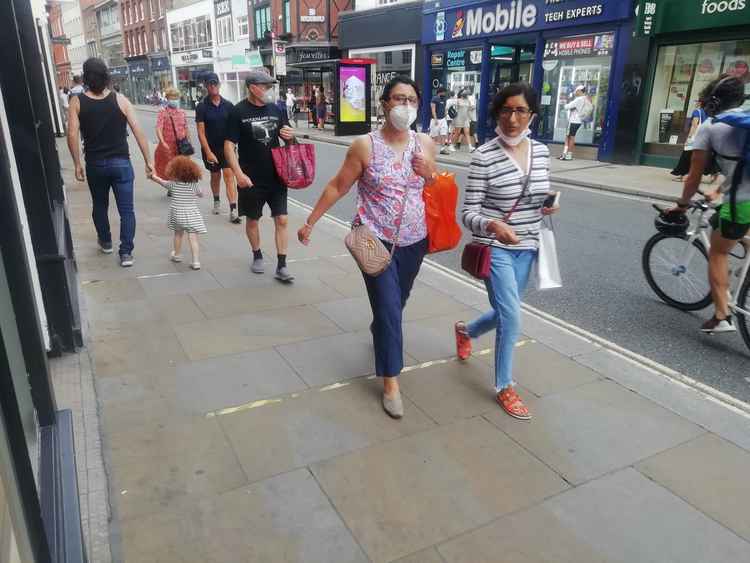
x,y
159,64
139,69
457,20
118,71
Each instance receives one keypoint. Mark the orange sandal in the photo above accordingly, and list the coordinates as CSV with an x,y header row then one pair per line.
x,y
512,404
463,341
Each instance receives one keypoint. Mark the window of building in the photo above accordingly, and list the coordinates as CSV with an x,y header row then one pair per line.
x,y
287,16
224,30
389,58
262,21
242,27
682,72
164,38
125,14
191,34
151,10
406,57
140,4
154,41
384,69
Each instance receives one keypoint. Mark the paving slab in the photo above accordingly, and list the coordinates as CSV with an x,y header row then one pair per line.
x,y
559,340
98,267
180,283
711,474
434,338
225,381
688,402
353,353
426,302
543,371
156,468
350,314
317,425
407,494
224,302
284,519
594,429
620,518
430,555
254,331
113,291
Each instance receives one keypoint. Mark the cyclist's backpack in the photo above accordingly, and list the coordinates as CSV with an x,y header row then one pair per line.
x,y
741,120
586,112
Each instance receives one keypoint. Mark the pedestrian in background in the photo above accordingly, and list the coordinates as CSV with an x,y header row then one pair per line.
x,y
503,208
579,108
461,121
321,109
171,125
77,88
683,165
255,127
291,103
212,122
439,123
63,95
184,215
390,167
102,117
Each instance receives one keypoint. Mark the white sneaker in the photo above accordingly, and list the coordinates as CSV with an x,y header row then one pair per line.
x,y
195,265
445,151
716,326
234,217
175,257
451,148
217,207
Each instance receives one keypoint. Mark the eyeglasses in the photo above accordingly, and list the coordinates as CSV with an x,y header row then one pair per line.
x,y
506,112
402,99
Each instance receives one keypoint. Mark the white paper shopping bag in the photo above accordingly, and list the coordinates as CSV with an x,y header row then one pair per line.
x,y
547,267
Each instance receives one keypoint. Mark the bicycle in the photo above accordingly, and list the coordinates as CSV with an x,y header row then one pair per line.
x,y
675,263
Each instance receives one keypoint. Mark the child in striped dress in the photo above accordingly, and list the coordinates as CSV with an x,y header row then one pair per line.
x,y
184,215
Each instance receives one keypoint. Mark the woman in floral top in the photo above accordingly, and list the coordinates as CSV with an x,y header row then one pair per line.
x,y
171,120
390,167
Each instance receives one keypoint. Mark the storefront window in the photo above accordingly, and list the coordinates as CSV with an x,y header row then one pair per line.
x,y
682,72
569,62
190,84
389,63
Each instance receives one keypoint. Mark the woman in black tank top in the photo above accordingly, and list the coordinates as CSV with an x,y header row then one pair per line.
x,y
102,116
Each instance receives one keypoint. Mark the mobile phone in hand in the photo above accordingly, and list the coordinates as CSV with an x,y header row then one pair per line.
x,y
553,200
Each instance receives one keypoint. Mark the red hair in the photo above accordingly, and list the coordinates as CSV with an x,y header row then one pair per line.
x,y
184,169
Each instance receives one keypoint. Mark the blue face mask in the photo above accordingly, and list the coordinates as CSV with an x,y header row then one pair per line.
x,y
174,103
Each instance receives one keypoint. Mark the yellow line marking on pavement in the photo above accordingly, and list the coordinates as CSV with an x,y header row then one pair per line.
x,y
341,384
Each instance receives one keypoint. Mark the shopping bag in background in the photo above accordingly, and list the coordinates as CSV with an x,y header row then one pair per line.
x,y
547,267
295,164
440,198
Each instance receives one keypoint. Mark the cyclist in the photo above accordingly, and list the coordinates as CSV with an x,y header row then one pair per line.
x,y
724,94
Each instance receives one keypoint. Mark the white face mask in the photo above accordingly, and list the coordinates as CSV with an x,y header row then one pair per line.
x,y
401,116
269,97
512,141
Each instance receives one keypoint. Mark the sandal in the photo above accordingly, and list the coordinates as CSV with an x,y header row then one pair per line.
x,y
463,341
512,404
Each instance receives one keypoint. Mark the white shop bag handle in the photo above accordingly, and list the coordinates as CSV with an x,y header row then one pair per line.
x,y
547,266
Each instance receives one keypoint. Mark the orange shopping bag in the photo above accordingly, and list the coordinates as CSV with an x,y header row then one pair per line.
x,y
440,199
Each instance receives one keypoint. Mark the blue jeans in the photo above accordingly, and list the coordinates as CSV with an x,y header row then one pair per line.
x,y
388,293
509,274
115,173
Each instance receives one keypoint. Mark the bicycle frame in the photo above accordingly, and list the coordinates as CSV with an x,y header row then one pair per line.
x,y
699,232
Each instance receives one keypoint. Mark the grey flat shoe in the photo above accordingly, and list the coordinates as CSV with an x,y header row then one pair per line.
x,y
257,266
393,406
283,275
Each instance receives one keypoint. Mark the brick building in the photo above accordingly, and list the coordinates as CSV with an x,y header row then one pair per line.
x,y
59,44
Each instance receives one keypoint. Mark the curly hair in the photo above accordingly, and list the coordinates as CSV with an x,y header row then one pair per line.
x,y
184,169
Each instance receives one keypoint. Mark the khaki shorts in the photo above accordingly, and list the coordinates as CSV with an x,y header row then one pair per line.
x,y
438,128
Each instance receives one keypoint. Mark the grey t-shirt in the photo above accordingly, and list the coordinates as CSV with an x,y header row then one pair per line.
x,y
725,140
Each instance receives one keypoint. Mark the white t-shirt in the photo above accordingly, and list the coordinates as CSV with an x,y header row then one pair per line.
x,y
574,109
290,99
76,90
725,140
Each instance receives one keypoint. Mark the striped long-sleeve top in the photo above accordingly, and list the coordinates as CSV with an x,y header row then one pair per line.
x,y
495,183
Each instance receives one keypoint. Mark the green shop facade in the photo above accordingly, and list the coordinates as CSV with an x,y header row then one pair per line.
x,y
684,44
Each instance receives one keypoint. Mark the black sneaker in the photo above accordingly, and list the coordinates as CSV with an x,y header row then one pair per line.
x,y
126,260
105,247
718,326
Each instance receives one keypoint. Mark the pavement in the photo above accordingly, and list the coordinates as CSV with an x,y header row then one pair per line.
x,y
240,421
644,181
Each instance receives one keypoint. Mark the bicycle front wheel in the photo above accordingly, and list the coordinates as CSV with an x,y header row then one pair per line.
x,y
742,320
677,271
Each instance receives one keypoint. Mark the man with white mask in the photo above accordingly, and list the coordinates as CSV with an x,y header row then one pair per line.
x,y
390,167
255,126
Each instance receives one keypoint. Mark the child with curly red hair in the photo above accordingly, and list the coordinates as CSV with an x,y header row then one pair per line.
x,y
184,215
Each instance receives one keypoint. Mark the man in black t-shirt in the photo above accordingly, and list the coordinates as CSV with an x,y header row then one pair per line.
x,y
212,120
255,126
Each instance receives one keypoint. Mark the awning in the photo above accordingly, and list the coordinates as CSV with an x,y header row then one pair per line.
x,y
313,64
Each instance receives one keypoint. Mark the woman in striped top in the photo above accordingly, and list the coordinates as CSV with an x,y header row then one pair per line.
x,y
503,208
184,215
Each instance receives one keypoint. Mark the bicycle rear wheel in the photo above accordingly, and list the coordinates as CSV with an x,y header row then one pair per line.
x,y
743,321
677,273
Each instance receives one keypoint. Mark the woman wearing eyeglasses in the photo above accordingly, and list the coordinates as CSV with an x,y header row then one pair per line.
x,y
390,167
503,208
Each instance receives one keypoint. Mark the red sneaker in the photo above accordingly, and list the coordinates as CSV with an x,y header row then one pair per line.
x,y
463,341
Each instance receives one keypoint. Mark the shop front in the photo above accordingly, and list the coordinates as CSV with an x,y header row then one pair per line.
x,y
140,80
118,76
161,73
480,47
391,37
310,68
189,69
693,42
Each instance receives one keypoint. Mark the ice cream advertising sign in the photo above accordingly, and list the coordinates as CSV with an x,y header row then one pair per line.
x,y
353,94
456,20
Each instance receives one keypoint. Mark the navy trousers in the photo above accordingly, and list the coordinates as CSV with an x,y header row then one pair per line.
x,y
388,293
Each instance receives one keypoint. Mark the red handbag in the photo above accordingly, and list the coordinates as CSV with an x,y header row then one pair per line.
x,y
476,260
295,164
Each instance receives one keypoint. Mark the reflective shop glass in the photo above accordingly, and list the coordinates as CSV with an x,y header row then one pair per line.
x,y
569,62
682,72
388,65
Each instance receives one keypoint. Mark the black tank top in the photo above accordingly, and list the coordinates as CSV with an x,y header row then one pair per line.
x,y
104,128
